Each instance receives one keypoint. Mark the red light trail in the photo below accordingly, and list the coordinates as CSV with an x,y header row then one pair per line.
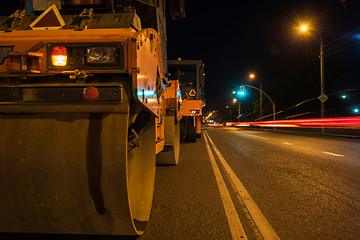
x,y
338,122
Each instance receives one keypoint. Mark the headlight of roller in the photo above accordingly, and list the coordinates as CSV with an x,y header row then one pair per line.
x,y
101,55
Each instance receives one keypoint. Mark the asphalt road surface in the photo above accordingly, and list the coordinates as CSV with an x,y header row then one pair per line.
x,y
274,186
251,184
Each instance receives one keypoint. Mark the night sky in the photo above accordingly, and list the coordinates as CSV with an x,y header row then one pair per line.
x,y
262,37
235,38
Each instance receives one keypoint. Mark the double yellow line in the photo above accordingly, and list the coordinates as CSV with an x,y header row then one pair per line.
x,y
236,228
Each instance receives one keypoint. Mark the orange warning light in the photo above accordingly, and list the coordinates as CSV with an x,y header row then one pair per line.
x,y
59,56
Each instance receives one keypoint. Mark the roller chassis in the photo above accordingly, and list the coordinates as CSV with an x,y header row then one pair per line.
x,y
69,166
190,74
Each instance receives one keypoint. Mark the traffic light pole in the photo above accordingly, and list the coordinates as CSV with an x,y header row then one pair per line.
x,y
323,96
239,111
261,101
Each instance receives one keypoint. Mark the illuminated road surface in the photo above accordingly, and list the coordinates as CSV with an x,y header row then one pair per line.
x,y
291,186
248,184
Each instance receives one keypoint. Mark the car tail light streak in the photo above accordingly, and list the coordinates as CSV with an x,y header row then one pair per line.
x,y
59,56
337,122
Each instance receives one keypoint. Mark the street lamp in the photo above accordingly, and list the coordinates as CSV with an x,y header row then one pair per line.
x,y
235,100
252,76
272,102
304,28
322,96
240,93
227,107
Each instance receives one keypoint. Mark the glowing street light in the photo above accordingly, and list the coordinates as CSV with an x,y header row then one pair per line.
x,y
304,28
261,91
252,76
235,100
242,91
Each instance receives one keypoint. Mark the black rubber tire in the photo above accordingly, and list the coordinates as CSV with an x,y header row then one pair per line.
x,y
191,136
183,129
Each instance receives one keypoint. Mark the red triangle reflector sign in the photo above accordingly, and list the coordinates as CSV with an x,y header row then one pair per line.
x,y
192,93
50,19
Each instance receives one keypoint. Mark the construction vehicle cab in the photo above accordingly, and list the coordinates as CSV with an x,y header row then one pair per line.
x,y
190,74
85,114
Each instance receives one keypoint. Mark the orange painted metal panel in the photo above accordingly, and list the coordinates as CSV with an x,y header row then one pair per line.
x,y
25,40
192,105
198,124
173,98
148,71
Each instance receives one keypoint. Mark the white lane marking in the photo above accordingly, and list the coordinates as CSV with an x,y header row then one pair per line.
x,y
334,154
286,143
236,228
255,136
261,222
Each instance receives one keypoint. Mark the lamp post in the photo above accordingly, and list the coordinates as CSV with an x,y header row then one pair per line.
x,y
322,96
229,108
240,93
252,76
239,106
272,102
